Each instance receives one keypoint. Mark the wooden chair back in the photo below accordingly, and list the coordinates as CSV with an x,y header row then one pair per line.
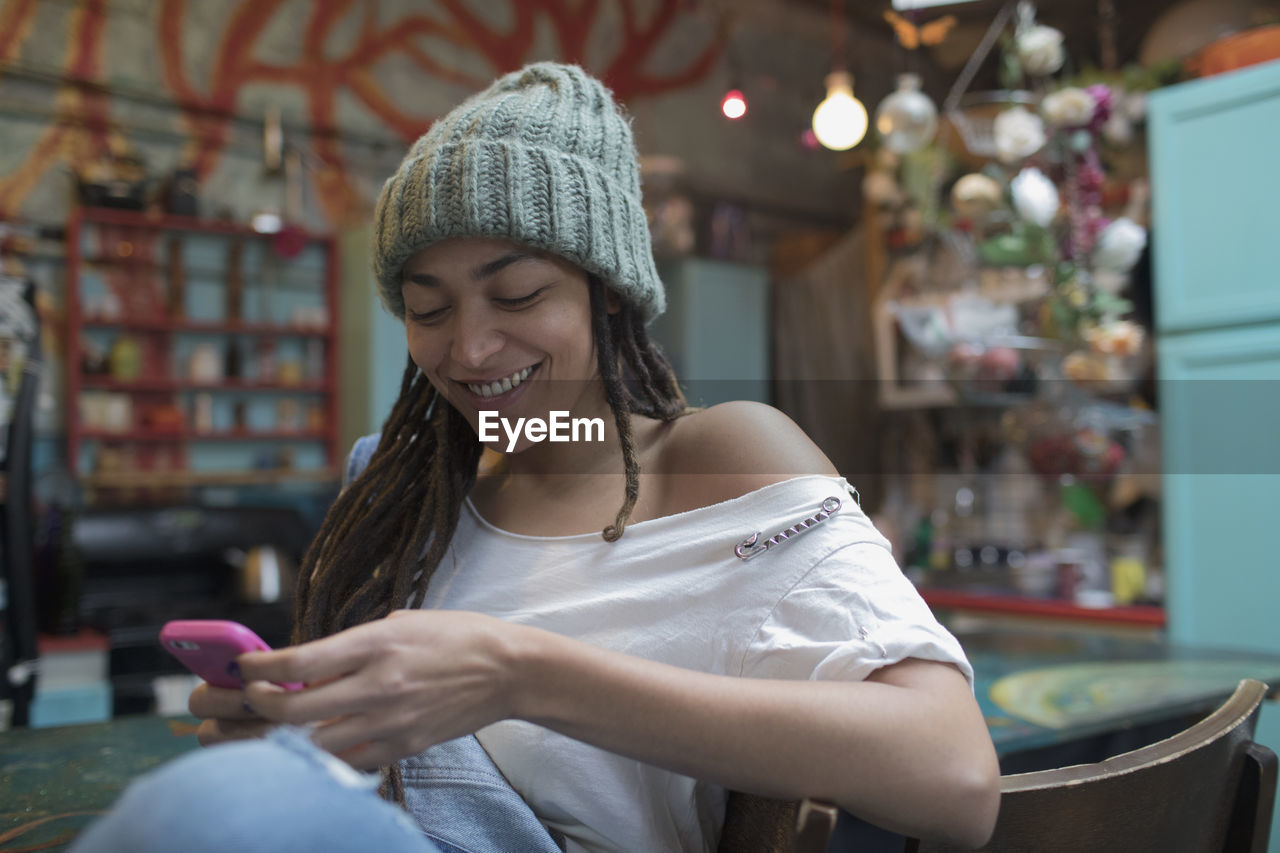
x,y
1207,789
758,825
755,824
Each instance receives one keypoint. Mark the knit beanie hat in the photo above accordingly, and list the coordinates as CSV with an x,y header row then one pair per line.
x,y
543,157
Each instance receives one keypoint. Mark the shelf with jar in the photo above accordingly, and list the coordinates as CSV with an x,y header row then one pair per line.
x,y
1050,510
199,353
1010,315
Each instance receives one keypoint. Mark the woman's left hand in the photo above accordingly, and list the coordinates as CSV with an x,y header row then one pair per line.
x,y
389,689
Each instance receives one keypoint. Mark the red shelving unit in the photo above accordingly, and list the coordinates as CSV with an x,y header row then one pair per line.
x,y
143,261
162,384
1138,615
189,435
167,325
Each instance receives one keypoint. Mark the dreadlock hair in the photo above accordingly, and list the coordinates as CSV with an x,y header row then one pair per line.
x,y
385,534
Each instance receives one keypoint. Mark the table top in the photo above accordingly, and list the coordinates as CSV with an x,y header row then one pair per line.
x,y
1036,689
54,781
1041,688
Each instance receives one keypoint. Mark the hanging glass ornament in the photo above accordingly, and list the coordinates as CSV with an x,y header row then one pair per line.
x,y
907,119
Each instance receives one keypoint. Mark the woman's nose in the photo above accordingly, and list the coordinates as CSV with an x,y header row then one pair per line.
x,y
475,338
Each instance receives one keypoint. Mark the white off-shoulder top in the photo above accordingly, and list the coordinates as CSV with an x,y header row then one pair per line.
x,y
828,603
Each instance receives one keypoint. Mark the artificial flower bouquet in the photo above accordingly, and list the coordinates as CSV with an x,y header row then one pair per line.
x,y
1043,213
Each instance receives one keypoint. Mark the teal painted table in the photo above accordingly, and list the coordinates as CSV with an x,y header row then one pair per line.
x,y
1042,689
54,781
1037,690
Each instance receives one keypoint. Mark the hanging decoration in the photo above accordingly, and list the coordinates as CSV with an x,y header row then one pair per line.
x,y
974,114
912,37
907,119
733,104
1039,49
840,121
1045,231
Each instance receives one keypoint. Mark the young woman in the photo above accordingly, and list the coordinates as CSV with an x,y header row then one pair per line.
x,y
613,617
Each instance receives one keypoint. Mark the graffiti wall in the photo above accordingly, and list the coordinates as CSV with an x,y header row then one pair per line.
x,y
198,89
187,84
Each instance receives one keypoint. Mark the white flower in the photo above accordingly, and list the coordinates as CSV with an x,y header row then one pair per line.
x,y
1034,197
1040,50
1018,133
1070,107
1120,245
1117,129
975,195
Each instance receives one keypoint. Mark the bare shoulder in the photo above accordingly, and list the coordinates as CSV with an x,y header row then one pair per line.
x,y
737,448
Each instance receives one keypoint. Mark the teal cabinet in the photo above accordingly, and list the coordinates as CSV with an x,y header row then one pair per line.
x,y
1215,176
374,345
1215,165
716,329
1220,407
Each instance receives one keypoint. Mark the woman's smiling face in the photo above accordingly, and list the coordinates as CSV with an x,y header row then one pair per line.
x,y
496,326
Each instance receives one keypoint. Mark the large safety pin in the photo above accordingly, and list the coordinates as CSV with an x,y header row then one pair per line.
x,y
747,548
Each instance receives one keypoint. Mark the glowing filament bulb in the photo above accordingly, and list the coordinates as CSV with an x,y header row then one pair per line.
x,y
733,105
840,121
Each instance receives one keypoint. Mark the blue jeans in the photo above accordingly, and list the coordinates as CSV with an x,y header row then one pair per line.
x,y
282,794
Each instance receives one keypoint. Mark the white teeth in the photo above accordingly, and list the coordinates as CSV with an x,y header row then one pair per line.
x,y
502,386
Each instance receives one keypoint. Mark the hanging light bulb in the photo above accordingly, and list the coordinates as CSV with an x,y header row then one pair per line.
x,y
907,119
733,104
840,121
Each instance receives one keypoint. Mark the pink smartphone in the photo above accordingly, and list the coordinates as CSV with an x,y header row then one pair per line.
x,y
209,647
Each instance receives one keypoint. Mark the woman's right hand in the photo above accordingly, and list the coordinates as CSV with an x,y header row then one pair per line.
x,y
224,716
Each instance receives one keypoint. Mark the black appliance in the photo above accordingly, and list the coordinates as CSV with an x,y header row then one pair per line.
x,y
146,565
19,382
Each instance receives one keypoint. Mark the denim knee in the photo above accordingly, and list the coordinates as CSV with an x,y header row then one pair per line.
x,y
281,794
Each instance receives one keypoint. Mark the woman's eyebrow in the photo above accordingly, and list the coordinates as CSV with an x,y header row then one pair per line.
x,y
422,279
492,268
485,270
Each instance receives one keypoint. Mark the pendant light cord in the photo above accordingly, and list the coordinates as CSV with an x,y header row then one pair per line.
x,y
837,36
